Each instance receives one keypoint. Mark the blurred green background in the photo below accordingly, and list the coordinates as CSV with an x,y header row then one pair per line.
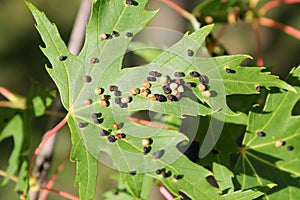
x,y
22,63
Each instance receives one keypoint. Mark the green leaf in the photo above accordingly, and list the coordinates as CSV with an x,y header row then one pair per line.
x,y
244,195
192,182
18,160
99,65
223,177
273,157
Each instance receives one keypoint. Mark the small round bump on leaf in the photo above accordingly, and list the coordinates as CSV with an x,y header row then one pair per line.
x,y
147,149
104,132
116,126
145,92
279,143
113,88
129,34
94,60
202,87
203,79
87,78
164,79
82,125
154,73
147,142
257,88
190,84
260,134
118,100
126,99
96,115
160,98
194,74
179,74
166,89
62,58
166,174
104,36
190,52
120,136
104,103
104,97
206,94
133,173
290,148
123,105
152,97
151,78
115,34
177,177
88,101
174,92
146,84
158,171
180,89
98,121
172,98
158,154
173,86
134,91
117,93
128,2
99,91
111,138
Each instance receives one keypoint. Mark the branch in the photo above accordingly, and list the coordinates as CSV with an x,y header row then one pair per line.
x,y
165,193
283,27
51,182
45,139
189,16
272,4
60,193
260,60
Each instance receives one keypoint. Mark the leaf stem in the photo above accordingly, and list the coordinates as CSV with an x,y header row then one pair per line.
x,y
264,21
51,182
272,4
189,16
45,139
255,27
4,174
61,193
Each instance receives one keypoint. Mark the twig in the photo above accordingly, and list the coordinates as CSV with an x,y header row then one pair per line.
x,y
255,27
78,31
45,139
4,174
165,193
264,21
189,16
272,4
61,193
51,182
